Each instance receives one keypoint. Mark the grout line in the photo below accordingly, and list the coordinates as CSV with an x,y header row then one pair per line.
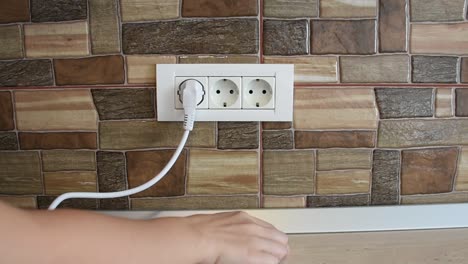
x,y
377,27
41,169
453,105
458,77
15,128
457,164
400,152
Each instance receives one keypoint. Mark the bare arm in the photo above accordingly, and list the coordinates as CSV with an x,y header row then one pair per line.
x,y
69,236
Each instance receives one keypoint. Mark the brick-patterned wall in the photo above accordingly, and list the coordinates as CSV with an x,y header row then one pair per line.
x,y
380,112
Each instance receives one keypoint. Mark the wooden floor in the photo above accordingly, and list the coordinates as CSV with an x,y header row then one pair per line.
x,y
396,247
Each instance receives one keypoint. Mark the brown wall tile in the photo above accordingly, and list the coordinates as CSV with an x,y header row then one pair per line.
x,y
348,9
334,139
434,69
196,203
309,69
436,10
58,10
461,183
385,177
282,139
218,8
290,9
61,182
68,160
14,11
285,37
26,73
270,201
439,38
343,182
11,42
93,70
142,10
392,25
428,171
58,140
8,141
288,172
382,69
207,173
111,171
143,165
276,125
343,37
238,135
24,202
341,200
464,70
6,112
104,26
114,204
442,198
404,102
55,110
341,159
20,173
43,202
461,102
142,69
444,103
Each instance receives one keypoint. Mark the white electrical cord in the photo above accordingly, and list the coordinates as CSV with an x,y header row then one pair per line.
x,y
192,92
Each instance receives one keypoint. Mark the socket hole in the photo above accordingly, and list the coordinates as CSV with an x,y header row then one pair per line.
x,y
251,92
264,91
257,104
225,104
231,92
257,80
218,91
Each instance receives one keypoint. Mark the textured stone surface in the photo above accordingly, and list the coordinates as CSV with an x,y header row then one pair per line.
x,y
270,201
219,8
58,140
196,203
58,10
56,39
276,125
335,201
111,171
290,9
461,183
342,159
444,103
142,10
288,172
461,96
425,171
104,26
464,70
343,37
437,10
114,104
309,69
238,135
235,59
343,181
68,160
43,202
334,139
56,183
434,69
93,70
383,69
392,25
442,198
282,139
14,11
404,102
285,37
142,69
348,9
149,134
385,177
446,38
55,110
20,173
143,165
330,108
220,36
24,202
208,173
11,42
411,133
6,112
26,73
8,141
114,204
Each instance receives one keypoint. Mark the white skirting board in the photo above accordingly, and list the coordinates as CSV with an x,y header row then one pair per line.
x,y
338,220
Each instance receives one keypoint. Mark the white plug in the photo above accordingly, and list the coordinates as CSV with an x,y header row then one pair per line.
x,y
192,93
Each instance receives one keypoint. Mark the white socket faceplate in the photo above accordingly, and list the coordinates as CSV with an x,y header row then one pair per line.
x,y
249,107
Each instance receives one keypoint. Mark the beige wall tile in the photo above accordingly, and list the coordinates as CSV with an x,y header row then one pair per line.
x,y
104,26
142,69
222,172
55,110
218,59
382,68
328,108
443,103
68,160
309,69
78,181
56,40
343,182
141,10
346,8
270,201
439,38
20,173
461,197
11,42
290,9
288,172
340,159
196,203
437,10
24,202
461,183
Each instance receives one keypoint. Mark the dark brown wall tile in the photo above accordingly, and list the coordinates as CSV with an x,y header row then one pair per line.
x,y
220,36
385,177
114,104
434,69
392,25
143,165
58,140
11,42
335,201
14,11
111,171
426,171
285,37
343,37
464,69
6,112
282,139
43,202
238,135
58,10
218,8
94,70
276,125
26,73
8,141
114,204
20,173
461,108
334,139
404,102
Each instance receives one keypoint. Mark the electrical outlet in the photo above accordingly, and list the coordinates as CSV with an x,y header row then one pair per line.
x,y
258,93
224,93
179,82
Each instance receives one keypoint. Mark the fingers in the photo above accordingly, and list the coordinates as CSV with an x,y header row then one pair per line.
x,y
278,250
263,258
